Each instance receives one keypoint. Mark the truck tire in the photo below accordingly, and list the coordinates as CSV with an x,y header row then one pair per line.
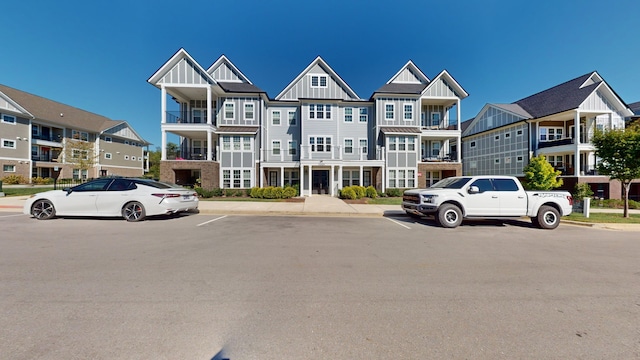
x,y
449,216
548,217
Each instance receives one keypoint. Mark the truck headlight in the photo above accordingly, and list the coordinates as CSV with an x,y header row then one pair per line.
x,y
430,199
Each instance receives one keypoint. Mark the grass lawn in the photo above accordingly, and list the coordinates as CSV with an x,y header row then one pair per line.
x,y
11,191
385,201
595,217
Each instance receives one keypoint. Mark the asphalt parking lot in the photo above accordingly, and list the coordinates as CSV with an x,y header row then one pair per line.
x,y
302,287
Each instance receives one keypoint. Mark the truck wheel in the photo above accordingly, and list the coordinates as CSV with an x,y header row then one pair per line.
x,y
548,217
449,216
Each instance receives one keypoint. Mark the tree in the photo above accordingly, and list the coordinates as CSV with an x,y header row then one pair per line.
x,y
154,163
81,154
540,175
619,154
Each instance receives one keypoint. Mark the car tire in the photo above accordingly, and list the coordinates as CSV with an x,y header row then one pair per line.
x,y
133,211
43,210
548,217
534,221
449,216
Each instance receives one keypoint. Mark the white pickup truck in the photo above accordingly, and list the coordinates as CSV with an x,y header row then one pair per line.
x,y
487,197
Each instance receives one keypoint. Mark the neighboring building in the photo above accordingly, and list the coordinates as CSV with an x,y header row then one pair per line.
x,y
635,108
37,135
502,138
317,133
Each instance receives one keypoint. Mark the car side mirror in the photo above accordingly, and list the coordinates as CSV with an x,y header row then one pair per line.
x,y
473,189
68,190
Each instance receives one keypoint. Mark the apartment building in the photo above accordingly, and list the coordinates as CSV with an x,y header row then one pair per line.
x,y
48,139
317,133
558,122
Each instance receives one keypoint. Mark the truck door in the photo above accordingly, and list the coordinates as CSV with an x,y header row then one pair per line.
x,y
513,199
484,203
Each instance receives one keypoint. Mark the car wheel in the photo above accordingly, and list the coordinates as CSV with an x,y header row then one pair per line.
x,y
43,210
449,216
133,211
548,217
534,221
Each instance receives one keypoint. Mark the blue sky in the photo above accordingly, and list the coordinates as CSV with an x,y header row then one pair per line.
x,y
97,56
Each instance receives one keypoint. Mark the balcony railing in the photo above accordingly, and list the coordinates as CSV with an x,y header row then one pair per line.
x,y
564,141
47,158
191,156
451,157
188,117
443,125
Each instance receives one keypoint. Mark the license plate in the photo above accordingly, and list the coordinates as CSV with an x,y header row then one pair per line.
x,y
186,197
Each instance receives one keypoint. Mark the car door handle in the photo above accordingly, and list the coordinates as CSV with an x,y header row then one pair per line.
x,y
494,196
520,197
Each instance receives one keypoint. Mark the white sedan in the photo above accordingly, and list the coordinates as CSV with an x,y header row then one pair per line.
x,y
132,198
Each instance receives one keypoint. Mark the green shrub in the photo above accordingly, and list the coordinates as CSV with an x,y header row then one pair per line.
x,y
581,191
360,191
348,193
14,180
394,192
41,181
289,192
268,193
371,192
217,192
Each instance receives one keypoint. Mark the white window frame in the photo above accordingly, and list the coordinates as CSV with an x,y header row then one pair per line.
x,y
108,156
292,148
232,107
348,115
363,115
472,144
496,161
507,135
496,137
8,168
364,148
407,109
326,146
108,139
520,159
293,120
226,143
548,133
519,132
11,144
435,119
349,147
389,113
9,119
318,79
249,108
276,148
273,118
82,135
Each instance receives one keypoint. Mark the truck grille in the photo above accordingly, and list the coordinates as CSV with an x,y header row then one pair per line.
x,y
414,199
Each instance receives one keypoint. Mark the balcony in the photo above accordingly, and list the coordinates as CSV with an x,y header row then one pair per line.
x,y
188,117
451,157
192,156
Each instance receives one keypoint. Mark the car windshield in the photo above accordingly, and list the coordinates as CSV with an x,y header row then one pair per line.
x,y
451,183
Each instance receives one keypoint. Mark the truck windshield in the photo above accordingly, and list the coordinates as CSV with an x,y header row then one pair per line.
x,y
451,183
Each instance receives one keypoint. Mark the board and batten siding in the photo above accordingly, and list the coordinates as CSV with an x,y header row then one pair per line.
x,y
407,76
238,111
225,73
398,112
303,89
283,132
184,72
440,89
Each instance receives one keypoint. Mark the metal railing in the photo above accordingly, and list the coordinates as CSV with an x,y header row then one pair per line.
x,y
189,117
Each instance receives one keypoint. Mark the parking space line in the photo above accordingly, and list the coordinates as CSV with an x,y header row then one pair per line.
x,y
5,216
398,223
210,221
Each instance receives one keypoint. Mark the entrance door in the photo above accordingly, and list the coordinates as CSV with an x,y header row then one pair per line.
x,y
320,180
273,178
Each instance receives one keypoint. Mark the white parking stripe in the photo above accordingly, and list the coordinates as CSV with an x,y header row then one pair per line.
x,y
4,216
396,222
210,221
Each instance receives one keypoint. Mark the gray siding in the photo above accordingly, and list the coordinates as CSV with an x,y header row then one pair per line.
x,y
501,152
303,89
225,73
283,132
440,88
492,118
184,72
239,114
407,76
398,118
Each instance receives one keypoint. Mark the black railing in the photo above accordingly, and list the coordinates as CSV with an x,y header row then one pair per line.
x,y
188,117
545,144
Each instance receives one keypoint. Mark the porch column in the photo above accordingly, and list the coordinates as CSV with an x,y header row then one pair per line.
x,y
209,106
340,178
576,159
281,176
610,120
209,146
361,176
331,182
301,180
309,181
458,113
164,146
163,102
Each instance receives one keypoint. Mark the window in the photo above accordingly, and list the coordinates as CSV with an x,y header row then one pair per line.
x,y
80,135
392,178
246,178
292,118
507,135
35,131
275,118
388,112
236,143
9,119
319,81
350,178
319,111
507,160
519,133
402,143
226,178
108,156
496,138
555,160
229,111
320,143
248,111
408,112
9,168
226,143
9,144
472,144
246,143
93,186
348,115
363,115
519,159
435,119
505,185
392,143
108,139
550,133
293,148
363,146
275,147
411,182
435,149
236,178
348,146
291,177
496,161
401,178
411,144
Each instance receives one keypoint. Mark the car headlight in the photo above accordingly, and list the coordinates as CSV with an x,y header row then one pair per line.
x,y
429,198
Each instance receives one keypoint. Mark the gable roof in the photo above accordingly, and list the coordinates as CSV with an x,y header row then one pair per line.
x,y
513,108
223,60
566,96
319,61
408,80
450,81
238,87
395,88
61,114
173,61
635,107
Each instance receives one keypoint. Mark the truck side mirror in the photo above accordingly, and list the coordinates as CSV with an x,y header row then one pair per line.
x,y
473,189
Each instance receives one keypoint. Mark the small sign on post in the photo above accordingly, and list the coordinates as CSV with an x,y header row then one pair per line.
x,y
586,206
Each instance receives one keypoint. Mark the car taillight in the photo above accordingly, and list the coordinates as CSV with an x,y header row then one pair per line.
x,y
164,196
570,198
